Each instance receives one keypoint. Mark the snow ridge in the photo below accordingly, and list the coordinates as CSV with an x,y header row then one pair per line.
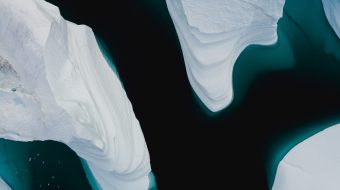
x,y
214,33
63,89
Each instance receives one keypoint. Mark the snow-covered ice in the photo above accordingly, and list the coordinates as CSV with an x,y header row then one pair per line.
x,y
332,11
55,84
3,185
312,164
214,33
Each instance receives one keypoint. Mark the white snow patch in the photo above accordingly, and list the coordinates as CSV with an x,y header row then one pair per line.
x,y
59,87
312,164
214,33
332,11
3,185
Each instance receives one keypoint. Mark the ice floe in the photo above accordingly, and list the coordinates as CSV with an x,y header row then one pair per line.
x,y
214,33
312,164
332,11
58,86
3,185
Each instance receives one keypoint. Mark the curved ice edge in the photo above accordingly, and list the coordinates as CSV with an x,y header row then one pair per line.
x,y
204,41
312,164
152,183
68,93
4,185
95,186
332,12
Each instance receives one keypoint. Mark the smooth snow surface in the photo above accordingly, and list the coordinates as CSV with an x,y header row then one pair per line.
x,y
214,33
332,11
55,84
312,164
3,185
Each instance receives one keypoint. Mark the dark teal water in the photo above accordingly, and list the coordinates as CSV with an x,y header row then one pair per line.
x,y
49,165
40,165
284,93
316,53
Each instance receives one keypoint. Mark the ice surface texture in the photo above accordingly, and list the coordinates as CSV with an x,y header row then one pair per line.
x,y
3,185
214,33
332,11
58,86
312,164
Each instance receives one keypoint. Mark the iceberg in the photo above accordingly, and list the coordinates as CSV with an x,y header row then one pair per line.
x,y
55,84
332,12
3,185
312,164
213,34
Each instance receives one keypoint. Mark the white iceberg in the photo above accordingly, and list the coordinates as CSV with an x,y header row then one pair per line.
x,y
312,164
3,185
55,84
332,11
214,33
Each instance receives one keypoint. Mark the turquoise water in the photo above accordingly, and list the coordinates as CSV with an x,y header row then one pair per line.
x,y
307,47
90,177
33,165
95,186
288,140
14,165
311,39
40,165
107,54
153,184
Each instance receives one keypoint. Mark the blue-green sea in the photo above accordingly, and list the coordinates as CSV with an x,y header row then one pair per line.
x,y
283,94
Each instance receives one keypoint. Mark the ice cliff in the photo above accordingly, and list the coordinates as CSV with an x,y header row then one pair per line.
x,y
312,164
332,11
55,84
214,33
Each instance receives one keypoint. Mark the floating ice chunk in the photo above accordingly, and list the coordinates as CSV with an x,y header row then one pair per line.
x,y
312,164
3,185
214,33
332,11
66,91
